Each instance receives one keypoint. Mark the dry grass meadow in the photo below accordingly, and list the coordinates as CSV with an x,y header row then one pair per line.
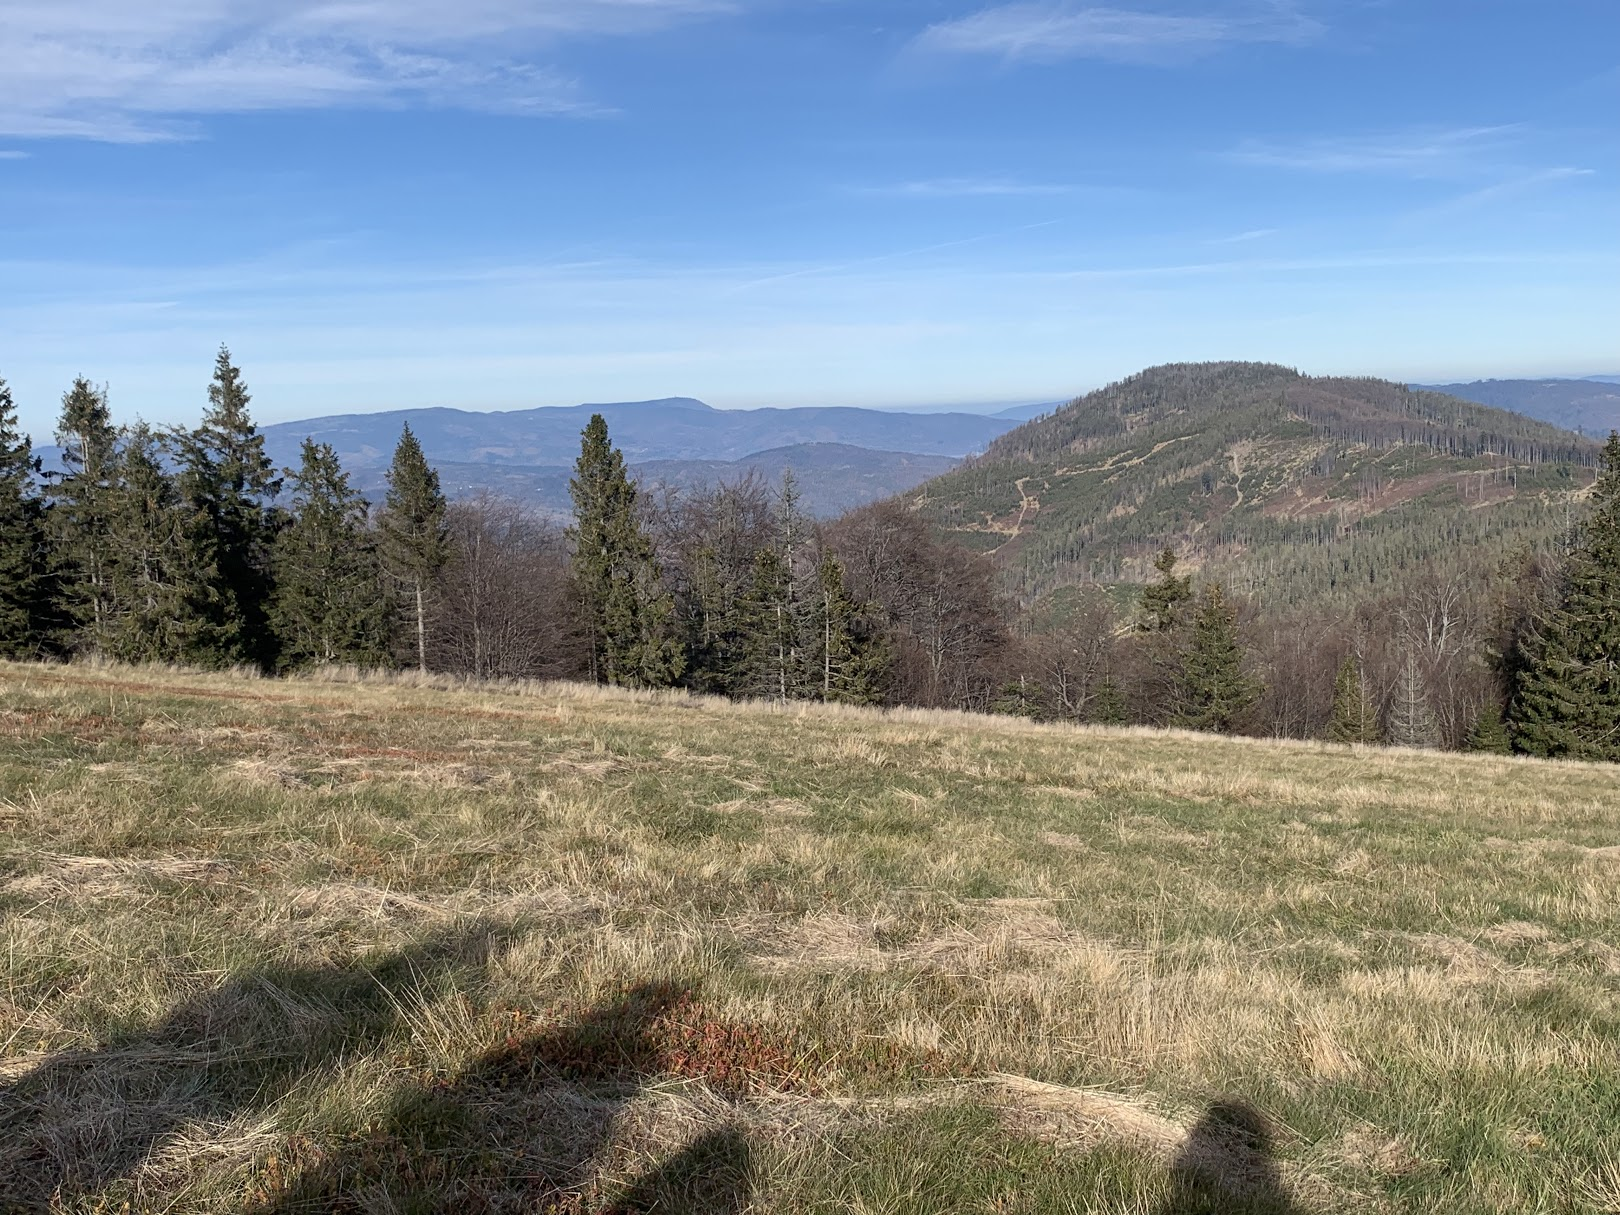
x,y
396,946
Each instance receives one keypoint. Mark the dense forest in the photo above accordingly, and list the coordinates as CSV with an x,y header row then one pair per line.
x,y
187,546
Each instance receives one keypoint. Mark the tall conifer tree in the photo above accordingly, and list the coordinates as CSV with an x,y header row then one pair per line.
x,y
629,615
80,497
1354,718
21,539
330,604
1215,691
1567,699
226,476
1162,600
163,602
415,541
850,659
772,666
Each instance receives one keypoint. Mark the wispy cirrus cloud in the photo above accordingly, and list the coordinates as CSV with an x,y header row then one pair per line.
x,y
1051,32
1422,152
965,187
120,71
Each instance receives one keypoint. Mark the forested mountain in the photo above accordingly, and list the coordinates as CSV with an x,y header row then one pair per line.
x,y
1291,488
678,428
1591,406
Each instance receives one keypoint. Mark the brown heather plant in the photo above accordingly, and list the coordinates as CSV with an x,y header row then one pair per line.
x,y
394,945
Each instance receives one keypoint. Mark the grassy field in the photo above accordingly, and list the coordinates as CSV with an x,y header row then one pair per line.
x,y
386,947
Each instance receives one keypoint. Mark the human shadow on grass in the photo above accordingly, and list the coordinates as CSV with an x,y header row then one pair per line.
x,y
530,1126
82,1120
1226,1167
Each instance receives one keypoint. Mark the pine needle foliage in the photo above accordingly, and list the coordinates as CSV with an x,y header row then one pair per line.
x,y
1162,600
1489,735
1355,717
629,614
226,477
165,601
1215,690
22,540
415,543
330,606
81,506
1567,700
850,659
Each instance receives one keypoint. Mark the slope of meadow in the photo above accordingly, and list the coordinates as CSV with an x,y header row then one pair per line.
x,y
388,947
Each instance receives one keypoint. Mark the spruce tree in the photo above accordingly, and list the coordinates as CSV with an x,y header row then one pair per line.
x,y
850,657
227,478
415,540
1107,706
80,507
22,585
1489,735
163,600
628,614
1215,691
330,604
1354,718
772,668
1162,600
1567,699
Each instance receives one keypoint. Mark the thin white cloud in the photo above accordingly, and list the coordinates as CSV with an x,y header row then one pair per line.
x,y
1509,188
1426,152
1050,32
13,154
127,72
1243,238
964,187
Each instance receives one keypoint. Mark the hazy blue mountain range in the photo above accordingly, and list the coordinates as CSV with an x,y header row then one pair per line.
x,y
678,428
843,457
832,477
1591,405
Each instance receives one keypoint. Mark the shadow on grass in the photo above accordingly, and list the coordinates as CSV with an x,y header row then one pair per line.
x,y
1226,1168
81,1121
528,1127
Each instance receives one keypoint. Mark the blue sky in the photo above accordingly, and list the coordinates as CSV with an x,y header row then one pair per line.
x,y
496,204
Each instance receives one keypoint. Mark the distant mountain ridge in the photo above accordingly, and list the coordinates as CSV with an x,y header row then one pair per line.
x,y
675,428
1590,406
1287,485
832,477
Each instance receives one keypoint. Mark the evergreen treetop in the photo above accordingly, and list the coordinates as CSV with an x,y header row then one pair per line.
x,y
1162,600
1354,718
628,613
330,606
415,541
1215,691
80,506
1567,699
227,477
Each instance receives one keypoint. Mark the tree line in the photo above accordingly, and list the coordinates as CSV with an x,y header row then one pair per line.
x,y
188,546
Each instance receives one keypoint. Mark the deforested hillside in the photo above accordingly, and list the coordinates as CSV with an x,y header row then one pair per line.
x,y
1293,486
315,945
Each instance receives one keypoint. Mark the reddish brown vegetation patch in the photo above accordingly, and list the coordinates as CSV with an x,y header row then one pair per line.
x,y
652,1032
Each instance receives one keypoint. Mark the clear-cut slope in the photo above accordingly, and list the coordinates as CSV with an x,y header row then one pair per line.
x,y
1289,485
